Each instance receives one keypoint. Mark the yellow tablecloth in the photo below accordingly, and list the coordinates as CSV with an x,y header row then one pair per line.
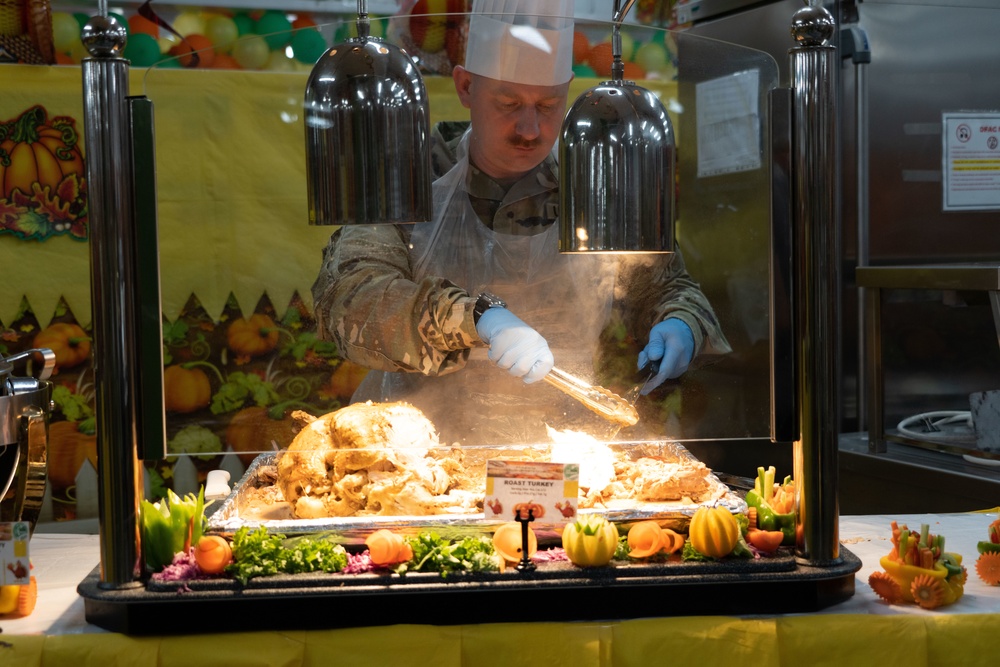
x,y
813,641
861,631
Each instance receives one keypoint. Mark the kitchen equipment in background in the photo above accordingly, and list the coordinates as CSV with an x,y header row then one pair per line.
x,y
367,134
25,405
617,166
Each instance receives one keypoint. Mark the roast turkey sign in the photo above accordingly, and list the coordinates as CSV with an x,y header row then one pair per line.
x,y
532,490
42,179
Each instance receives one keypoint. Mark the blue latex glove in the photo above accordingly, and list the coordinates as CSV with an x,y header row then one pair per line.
x,y
514,346
671,343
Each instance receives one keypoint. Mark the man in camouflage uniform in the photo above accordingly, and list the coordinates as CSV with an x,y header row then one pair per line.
x,y
401,300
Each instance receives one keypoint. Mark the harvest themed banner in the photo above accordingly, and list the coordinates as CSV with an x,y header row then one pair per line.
x,y
231,186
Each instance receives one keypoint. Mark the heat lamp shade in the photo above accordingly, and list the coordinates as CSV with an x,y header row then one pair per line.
x,y
367,127
617,162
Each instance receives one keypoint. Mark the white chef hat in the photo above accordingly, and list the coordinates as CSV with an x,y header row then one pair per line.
x,y
524,41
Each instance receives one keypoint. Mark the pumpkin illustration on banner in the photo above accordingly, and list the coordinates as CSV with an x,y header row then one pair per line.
x,y
253,336
42,177
67,340
185,389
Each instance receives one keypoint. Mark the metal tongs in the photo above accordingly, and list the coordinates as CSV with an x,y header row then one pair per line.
x,y
603,401
642,376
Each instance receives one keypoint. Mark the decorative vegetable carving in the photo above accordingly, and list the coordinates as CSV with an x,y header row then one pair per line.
x,y
507,542
922,570
590,541
714,531
212,554
388,548
647,538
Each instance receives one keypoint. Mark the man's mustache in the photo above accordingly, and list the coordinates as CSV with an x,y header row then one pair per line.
x,y
520,142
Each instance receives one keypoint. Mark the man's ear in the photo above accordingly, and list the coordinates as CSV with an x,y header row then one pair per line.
x,y
463,84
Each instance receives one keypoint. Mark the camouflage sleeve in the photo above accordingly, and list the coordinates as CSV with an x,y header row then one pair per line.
x,y
661,288
368,303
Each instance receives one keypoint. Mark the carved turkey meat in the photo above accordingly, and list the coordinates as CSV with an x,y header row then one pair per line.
x,y
374,458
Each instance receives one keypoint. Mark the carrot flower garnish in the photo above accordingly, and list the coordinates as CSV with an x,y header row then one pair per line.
x,y
886,587
988,568
928,591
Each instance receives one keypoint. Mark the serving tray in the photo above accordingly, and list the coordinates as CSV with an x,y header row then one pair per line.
x,y
552,592
241,508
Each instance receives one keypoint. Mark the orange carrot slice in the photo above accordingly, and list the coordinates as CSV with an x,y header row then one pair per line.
x,y
928,591
783,501
645,539
767,541
886,587
388,548
672,541
27,597
988,568
213,554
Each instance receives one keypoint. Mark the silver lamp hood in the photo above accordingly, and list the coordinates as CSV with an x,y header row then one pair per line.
x,y
617,167
367,134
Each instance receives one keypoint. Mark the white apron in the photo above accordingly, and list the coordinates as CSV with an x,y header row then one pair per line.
x,y
566,298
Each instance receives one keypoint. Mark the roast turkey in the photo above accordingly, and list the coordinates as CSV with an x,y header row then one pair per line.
x,y
374,459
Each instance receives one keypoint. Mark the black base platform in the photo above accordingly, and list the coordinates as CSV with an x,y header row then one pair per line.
x,y
553,592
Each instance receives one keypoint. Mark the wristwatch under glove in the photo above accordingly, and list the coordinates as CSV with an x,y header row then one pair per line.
x,y
484,302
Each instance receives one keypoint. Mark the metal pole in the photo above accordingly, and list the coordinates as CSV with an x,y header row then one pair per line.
x,y
816,239
112,270
861,111
854,45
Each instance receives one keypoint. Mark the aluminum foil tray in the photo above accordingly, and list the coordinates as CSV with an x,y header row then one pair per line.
x,y
242,509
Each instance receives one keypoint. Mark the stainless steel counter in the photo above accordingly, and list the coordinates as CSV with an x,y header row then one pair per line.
x,y
971,276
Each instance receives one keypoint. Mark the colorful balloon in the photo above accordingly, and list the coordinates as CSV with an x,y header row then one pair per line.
x,y
653,57
308,45
277,61
343,32
303,21
275,28
77,51
65,31
222,31
189,23
142,50
251,52
244,24
198,44
167,40
140,24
